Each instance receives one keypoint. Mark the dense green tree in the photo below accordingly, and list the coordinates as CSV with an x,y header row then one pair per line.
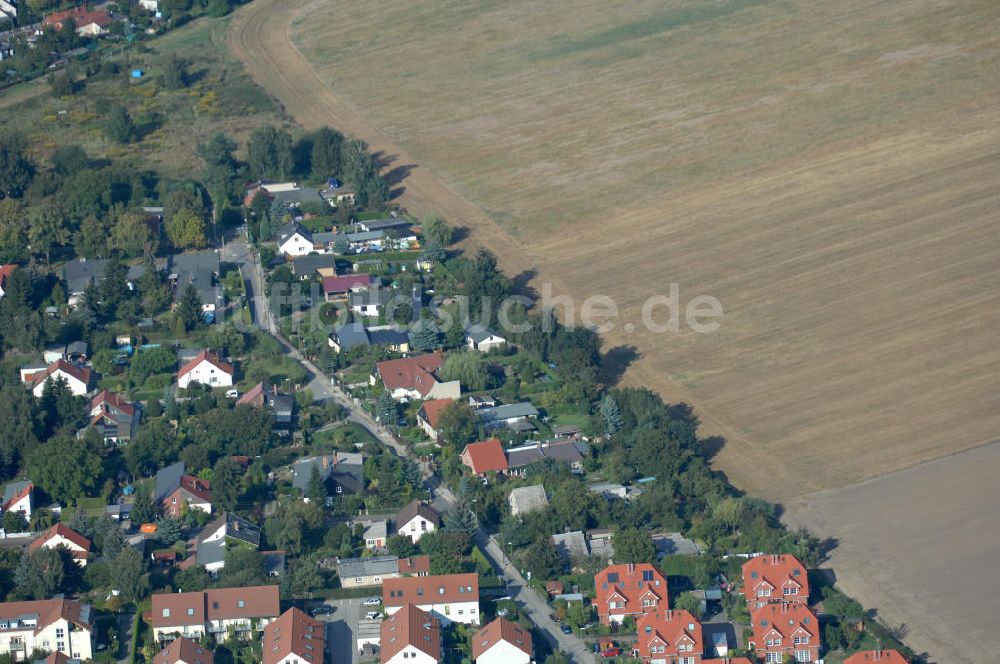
x,y
14,522
225,483
471,369
118,125
193,579
41,573
91,240
611,416
69,159
385,409
438,231
425,335
687,601
129,574
13,219
224,432
459,423
154,292
155,445
60,405
16,170
401,546
144,510
189,310
634,545
542,560
186,229
174,73
316,489
169,530
65,469
132,236
325,157
80,522
461,519
110,537
19,426
244,567
48,228
269,153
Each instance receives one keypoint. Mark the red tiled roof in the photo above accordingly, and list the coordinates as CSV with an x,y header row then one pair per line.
x,y
628,583
106,399
205,356
439,589
486,456
669,629
183,650
411,373
880,656
60,530
48,610
415,565
775,572
215,604
294,633
82,374
197,487
786,619
345,283
410,626
500,629
81,16
28,488
256,395
6,271
431,410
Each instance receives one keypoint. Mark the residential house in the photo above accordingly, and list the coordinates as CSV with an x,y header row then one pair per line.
x,y
429,416
410,636
613,490
114,418
363,572
79,274
415,566
294,638
292,195
355,335
339,288
393,224
176,491
876,657
629,590
78,379
5,272
485,457
774,578
601,544
337,195
17,497
571,546
484,340
527,499
785,629
448,597
61,535
413,378
206,368
371,303
200,269
281,406
481,401
184,651
563,451
376,534
214,612
343,470
567,431
512,416
294,239
302,472
226,532
669,636
50,625
416,519
324,265
502,642
86,22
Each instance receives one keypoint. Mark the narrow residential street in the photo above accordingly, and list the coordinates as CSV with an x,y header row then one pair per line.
x,y
534,606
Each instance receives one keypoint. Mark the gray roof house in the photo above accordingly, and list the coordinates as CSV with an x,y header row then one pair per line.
x,y
563,451
345,470
168,479
356,335
303,468
527,499
304,267
358,572
503,416
572,545
81,272
384,224
200,269
228,530
296,197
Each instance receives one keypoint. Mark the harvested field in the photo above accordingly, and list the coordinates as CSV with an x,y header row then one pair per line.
x,y
939,575
827,171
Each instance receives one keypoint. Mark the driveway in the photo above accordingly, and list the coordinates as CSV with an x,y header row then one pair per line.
x,y
342,628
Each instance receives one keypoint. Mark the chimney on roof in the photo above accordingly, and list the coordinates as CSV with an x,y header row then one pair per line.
x,y
631,568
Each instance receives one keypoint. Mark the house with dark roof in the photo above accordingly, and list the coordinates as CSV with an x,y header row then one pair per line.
x,y
562,451
294,638
342,472
355,335
294,239
417,519
774,578
114,418
364,572
385,224
411,635
200,269
281,406
571,546
414,378
214,612
485,457
322,265
527,499
502,642
17,497
338,288
508,416
629,590
226,532
484,340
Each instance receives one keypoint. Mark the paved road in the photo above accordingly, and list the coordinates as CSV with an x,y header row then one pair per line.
x,y
125,634
533,605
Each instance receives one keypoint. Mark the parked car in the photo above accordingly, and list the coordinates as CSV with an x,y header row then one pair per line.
x,y
232,394
611,652
322,610
566,629
373,615
372,601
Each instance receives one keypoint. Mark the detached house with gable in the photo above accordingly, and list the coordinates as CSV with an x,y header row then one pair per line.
x,y
629,590
429,416
502,642
294,638
294,239
775,578
411,635
79,379
17,498
184,651
176,491
448,597
414,378
485,457
114,417
669,636
876,657
416,520
785,629
61,535
206,368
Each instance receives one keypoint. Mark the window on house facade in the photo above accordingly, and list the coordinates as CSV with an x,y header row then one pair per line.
x,y
802,656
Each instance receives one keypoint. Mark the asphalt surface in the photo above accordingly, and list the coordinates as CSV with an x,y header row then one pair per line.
x,y
533,605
